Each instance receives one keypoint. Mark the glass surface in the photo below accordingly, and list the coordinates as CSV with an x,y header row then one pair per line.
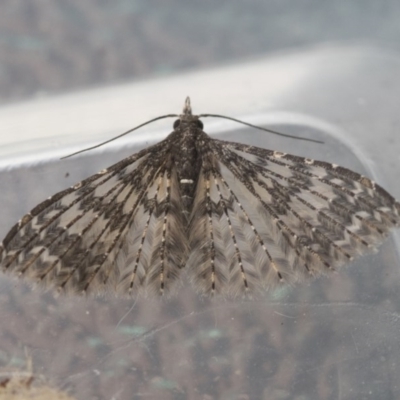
x,y
333,338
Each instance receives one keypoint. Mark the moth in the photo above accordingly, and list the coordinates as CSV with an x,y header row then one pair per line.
x,y
232,218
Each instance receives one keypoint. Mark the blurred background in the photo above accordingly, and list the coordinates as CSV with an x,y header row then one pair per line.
x,y
50,46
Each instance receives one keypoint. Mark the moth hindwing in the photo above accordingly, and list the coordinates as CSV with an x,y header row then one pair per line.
x,y
232,218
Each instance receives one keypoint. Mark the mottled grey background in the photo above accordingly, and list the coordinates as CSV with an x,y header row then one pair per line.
x,y
49,46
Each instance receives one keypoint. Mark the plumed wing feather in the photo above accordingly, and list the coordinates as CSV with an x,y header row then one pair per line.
x,y
236,246
118,229
262,218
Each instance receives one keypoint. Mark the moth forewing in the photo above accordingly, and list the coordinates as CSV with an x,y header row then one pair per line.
x,y
238,219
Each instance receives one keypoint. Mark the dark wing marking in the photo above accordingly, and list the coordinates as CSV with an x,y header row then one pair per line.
x,y
157,249
236,247
118,229
262,217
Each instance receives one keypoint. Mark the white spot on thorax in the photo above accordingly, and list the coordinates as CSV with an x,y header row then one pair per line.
x,y
279,154
186,181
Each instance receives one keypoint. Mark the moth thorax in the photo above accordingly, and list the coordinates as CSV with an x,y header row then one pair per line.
x,y
188,165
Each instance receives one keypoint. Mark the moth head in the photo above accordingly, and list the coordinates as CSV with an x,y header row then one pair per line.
x,y
185,120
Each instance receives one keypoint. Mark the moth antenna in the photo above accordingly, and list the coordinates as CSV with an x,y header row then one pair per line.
x,y
122,134
260,127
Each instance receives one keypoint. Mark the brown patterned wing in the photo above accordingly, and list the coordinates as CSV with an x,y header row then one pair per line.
x,y
262,218
120,229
